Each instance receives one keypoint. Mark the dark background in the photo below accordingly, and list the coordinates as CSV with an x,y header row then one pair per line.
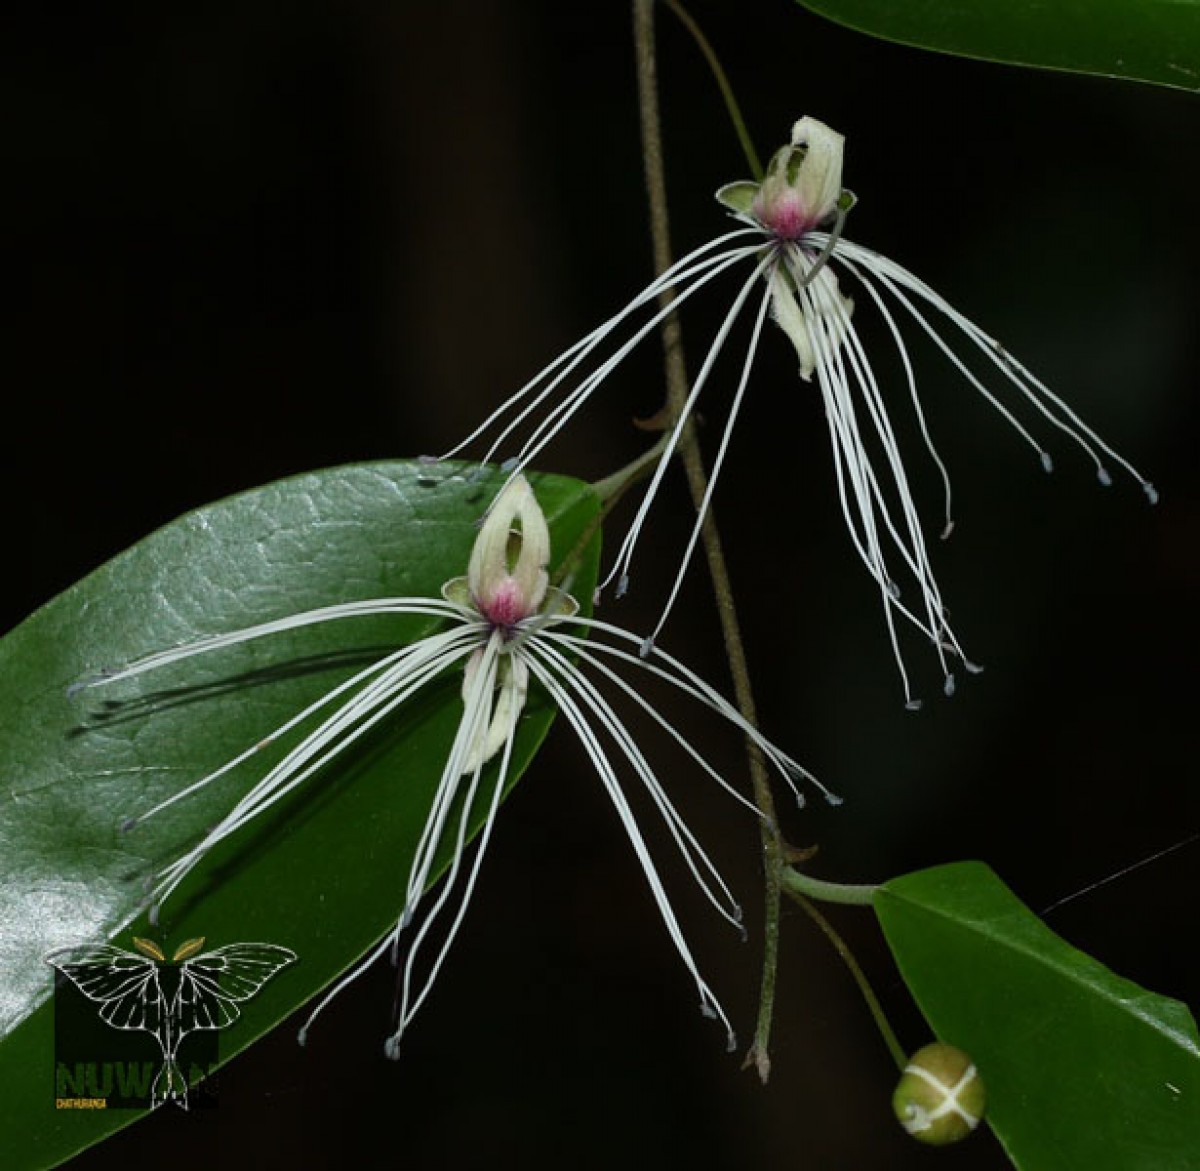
x,y
253,239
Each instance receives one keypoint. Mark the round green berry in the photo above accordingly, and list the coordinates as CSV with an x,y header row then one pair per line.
x,y
940,1098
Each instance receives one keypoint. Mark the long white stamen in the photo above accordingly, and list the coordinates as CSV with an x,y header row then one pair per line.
x,y
428,607
368,961
557,417
484,838
680,270
476,718
470,724
273,736
477,703
544,660
879,575
684,679
940,342
911,379
893,274
362,712
581,649
697,266
709,1004
624,558
718,463
423,662
913,552
852,462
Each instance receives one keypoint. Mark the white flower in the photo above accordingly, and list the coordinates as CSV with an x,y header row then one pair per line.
x,y
791,239
506,625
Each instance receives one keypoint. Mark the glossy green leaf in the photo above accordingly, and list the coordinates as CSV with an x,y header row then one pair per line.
x,y
324,876
1083,1069
1143,40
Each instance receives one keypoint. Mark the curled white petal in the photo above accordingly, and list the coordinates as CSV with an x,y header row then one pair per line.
x,y
507,571
820,174
511,686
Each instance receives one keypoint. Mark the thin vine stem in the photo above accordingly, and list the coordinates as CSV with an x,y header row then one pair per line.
x,y
718,72
874,1006
677,388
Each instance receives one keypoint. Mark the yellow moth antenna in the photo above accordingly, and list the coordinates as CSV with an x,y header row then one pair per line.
x,y
149,948
187,949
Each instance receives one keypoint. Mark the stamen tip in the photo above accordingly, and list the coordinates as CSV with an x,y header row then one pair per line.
x,y
127,825
509,465
833,798
647,647
622,585
947,530
1047,462
391,1047
1104,478
153,913
893,590
87,681
912,705
949,685
1151,492
707,1010
302,1037
973,668
731,1043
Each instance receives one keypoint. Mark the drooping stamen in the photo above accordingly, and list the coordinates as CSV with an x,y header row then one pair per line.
x,y
566,704
545,660
470,726
715,471
371,607
679,676
697,264
361,713
624,556
834,341
476,718
1035,391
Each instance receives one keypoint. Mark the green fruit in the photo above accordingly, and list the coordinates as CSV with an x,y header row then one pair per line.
x,y
940,1098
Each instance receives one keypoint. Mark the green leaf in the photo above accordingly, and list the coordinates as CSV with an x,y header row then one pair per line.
x,y
1083,1069
325,877
1142,40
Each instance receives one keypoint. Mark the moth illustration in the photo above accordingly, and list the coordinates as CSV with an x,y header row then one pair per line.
x,y
144,991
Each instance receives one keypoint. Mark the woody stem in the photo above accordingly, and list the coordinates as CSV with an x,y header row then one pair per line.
x,y
677,390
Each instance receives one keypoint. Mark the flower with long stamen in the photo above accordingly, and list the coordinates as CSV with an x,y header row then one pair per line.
x,y
791,240
506,627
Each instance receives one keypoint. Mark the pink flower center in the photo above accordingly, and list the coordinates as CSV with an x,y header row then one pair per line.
x,y
506,605
784,216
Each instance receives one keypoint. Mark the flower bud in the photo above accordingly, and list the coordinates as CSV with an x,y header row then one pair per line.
x,y
940,1098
